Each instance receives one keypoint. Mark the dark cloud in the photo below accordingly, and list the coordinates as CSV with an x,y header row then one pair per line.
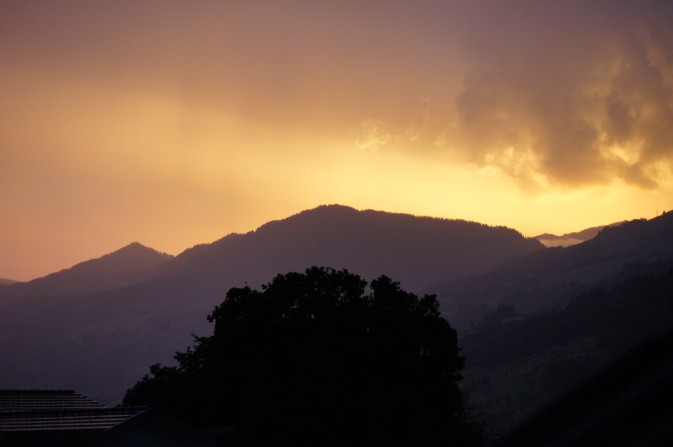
x,y
569,92
578,93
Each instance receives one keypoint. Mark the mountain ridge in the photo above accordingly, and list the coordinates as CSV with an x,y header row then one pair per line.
x,y
576,237
545,279
326,236
105,340
127,265
102,342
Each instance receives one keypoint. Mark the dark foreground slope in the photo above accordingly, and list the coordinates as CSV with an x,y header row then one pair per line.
x,y
517,365
627,403
100,343
547,279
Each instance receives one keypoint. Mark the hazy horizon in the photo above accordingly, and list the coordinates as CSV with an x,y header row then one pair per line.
x,y
173,123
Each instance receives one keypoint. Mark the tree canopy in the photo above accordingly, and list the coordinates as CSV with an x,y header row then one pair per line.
x,y
320,358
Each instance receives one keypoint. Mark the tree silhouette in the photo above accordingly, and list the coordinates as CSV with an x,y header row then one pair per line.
x,y
318,358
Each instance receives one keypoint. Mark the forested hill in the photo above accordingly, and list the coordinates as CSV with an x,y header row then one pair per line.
x,y
546,321
128,265
101,342
517,365
417,251
576,237
547,279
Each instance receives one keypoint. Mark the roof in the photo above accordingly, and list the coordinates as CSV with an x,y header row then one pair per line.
x,y
28,400
100,419
58,411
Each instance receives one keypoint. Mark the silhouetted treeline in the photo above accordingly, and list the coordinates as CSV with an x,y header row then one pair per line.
x,y
315,359
131,314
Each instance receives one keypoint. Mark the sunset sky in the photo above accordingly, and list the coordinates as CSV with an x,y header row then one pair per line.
x,y
174,123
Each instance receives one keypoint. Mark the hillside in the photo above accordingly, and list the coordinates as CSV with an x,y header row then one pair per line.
x,y
624,403
128,265
546,321
533,321
100,343
545,280
5,281
416,251
568,239
519,364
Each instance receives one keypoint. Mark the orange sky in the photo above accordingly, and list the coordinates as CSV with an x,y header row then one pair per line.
x,y
174,123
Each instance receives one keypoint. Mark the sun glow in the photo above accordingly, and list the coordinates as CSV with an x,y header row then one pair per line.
x,y
175,125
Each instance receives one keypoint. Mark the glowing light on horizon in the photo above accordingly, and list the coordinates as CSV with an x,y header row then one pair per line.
x,y
175,124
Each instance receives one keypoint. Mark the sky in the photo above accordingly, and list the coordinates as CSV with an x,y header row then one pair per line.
x,y
174,123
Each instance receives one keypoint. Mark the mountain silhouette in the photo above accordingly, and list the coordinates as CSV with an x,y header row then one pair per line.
x,y
576,237
547,279
5,281
125,266
417,251
548,320
101,342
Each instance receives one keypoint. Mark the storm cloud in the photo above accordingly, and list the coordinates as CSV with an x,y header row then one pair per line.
x,y
578,94
195,119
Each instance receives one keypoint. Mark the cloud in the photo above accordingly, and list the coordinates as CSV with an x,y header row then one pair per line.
x,y
569,92
372,135
577,95
418,126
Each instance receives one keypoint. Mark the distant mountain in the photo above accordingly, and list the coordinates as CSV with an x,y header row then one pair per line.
x,y
568,239
5,281
416,251
533,321
101,343
123,267
546,279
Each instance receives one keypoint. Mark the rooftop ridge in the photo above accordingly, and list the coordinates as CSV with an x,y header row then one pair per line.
x,y
27,400
76,411
67,419
36,391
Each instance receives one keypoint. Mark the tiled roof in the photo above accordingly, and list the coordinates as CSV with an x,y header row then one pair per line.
x,y
100,419
58,411
28,400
